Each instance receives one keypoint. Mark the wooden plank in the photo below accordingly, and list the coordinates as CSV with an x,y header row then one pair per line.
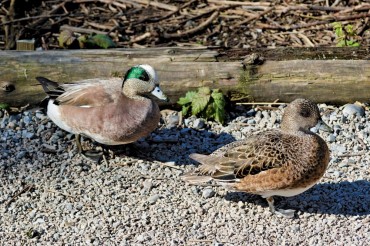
x,y
286,73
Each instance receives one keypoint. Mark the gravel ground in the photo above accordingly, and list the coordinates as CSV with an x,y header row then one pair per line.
x,y
51,195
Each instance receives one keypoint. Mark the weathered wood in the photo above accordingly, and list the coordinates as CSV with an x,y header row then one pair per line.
x,y
335,75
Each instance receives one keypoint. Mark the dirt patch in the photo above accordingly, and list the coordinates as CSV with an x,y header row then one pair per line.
x,y
138,23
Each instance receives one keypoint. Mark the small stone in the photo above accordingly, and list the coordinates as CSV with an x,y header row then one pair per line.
x,y
187,122
338,148
194,189
198,124
173,120
32,214
148,184
208,193
265,114
69,207
28,135
21,154
40,116
251,112
11,125
251,121
140,238
331,138
14,117
27,120
353,109
314,130
153,199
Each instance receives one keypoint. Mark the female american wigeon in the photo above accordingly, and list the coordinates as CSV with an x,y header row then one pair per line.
x,y
280,162
109,111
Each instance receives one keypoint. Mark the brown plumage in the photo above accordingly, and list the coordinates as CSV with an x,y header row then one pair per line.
x,y
110,111
283,162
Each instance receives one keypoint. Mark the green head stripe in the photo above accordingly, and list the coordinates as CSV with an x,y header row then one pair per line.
x,y
137,73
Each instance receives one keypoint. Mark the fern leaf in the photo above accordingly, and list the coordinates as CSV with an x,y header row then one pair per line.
x,y
199,103
187,99
219,106
185,110
204,91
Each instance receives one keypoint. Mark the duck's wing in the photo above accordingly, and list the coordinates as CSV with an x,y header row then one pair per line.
x,y
260,153
86,93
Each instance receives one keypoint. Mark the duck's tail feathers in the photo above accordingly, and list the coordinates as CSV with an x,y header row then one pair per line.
x,y
53,89
211,168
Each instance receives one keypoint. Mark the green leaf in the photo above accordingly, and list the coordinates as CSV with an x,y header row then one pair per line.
x,y
4,106
349,30
352,43
219,106
209,113
187,99
185,110
204,91
338,29
98,41
67,39
199,103
341,43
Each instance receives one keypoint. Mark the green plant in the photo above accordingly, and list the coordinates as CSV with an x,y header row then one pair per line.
x,y
345,35
67,39
206,103
4,106
96,41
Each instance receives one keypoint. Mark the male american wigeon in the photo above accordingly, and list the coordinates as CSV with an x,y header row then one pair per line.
x,y
279,162
109,111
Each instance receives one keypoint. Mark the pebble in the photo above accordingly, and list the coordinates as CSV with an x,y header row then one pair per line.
x,y
148,184
208,193
353,109
198,124
331,138
21,154
27,120
153,199
173,121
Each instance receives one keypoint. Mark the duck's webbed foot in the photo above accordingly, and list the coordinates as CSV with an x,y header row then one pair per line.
x,y
287,213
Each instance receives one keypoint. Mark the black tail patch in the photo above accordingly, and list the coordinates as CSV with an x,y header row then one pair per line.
x,y
53,89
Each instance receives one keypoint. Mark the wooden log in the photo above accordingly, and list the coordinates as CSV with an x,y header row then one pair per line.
x,y
332,75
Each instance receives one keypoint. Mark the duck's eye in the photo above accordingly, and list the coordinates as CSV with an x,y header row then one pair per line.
x,y
305,112
144,77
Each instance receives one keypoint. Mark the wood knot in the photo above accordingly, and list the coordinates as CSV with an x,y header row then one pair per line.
x,y
7,87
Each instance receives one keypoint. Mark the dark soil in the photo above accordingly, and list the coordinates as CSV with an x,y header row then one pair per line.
x,y
135,23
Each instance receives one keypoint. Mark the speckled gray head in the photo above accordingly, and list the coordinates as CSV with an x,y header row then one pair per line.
x,y
302,114
146,80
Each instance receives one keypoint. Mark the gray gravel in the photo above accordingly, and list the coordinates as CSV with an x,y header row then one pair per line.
x,y
49,195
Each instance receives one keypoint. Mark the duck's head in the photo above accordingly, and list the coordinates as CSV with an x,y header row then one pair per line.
x,y
302,114
142,80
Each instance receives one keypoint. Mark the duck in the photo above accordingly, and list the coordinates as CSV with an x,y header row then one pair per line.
x,y
109,111
284,161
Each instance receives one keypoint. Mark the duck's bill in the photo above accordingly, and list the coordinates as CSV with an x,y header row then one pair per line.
x,y
322,126
159,94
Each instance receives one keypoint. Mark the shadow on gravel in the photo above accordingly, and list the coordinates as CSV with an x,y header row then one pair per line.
x,y
175,145
343,198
